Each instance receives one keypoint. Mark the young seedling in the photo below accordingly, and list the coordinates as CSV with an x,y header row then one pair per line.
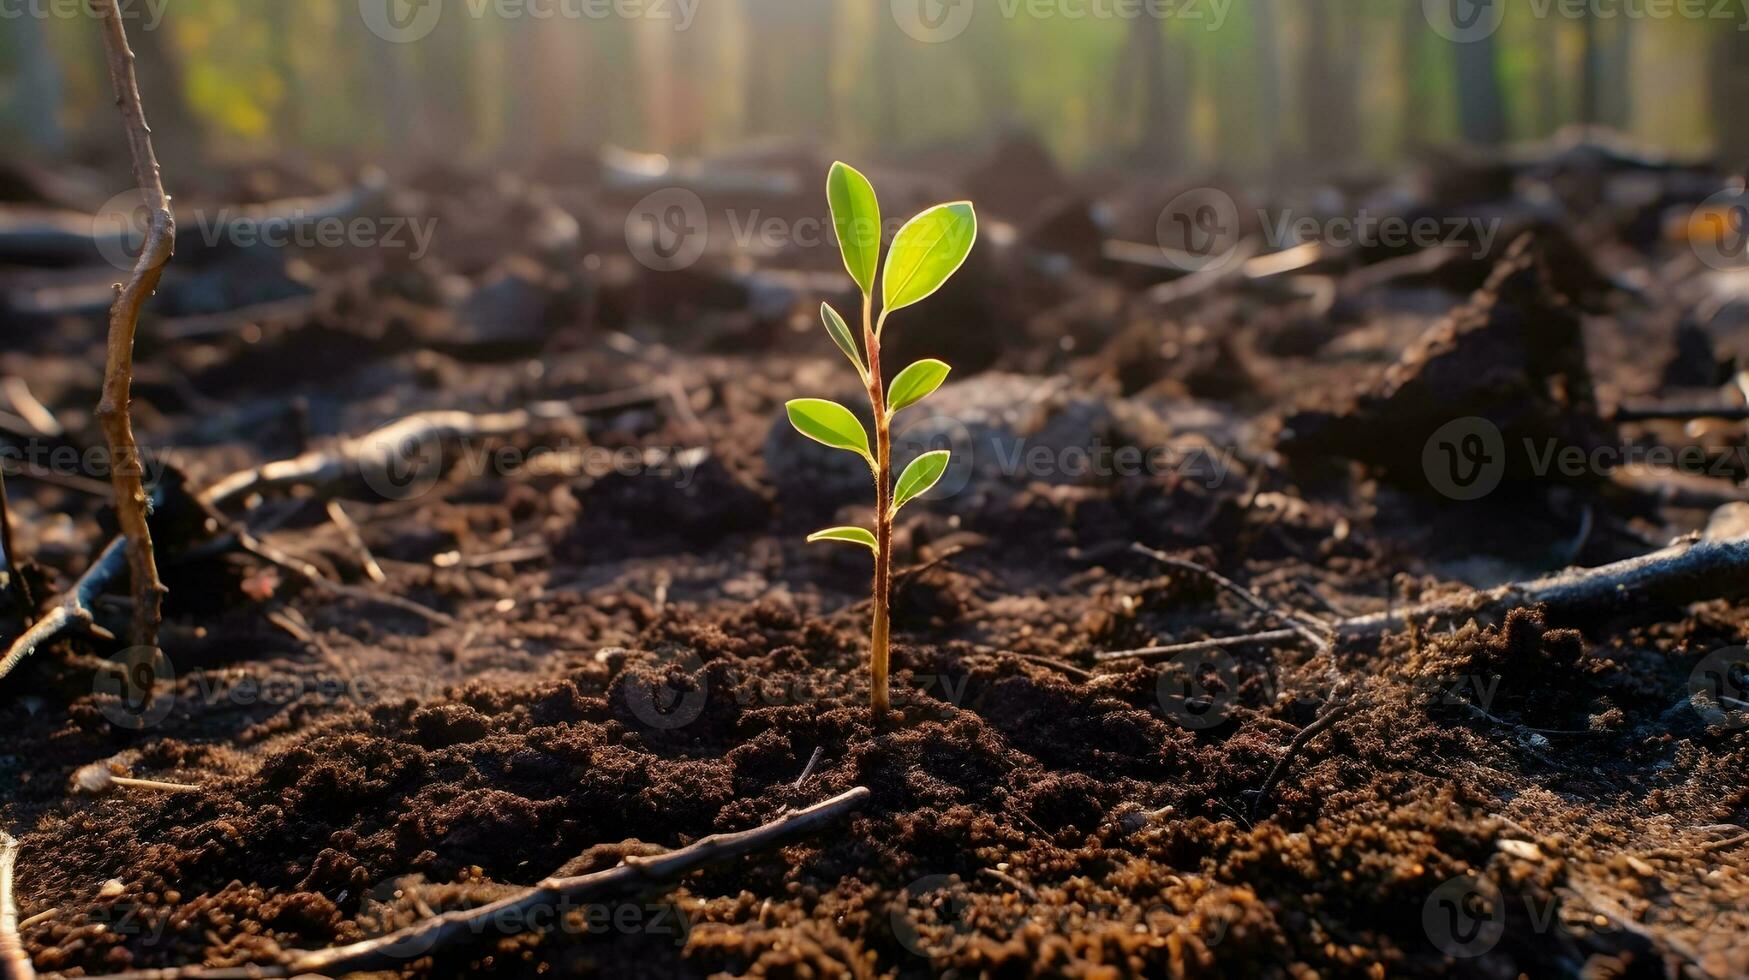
x,y
925,253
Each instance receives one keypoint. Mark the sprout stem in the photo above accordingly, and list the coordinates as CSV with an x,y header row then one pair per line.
x,y
883,574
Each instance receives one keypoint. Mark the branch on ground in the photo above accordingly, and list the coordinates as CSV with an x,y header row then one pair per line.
x,y
1714,565
632,877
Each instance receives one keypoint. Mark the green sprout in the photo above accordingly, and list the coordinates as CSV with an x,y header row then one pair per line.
x,y
925,253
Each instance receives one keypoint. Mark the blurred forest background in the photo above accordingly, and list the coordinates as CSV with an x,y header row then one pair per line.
x,y
1255,88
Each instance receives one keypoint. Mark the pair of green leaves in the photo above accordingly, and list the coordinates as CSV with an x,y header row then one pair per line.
x,y
928,250
923,473
831,424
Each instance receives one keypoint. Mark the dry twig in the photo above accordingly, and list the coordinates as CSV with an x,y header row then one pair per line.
x,y
1343,702
1313,629
631,877
74,609
131,502
355,538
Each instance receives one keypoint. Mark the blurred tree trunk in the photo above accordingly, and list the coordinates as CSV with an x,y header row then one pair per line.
x,y
1728,91
36,97
1411,36
530,85
1548,80
446,92
288,121
1327,109
1590,71
1151,94
1481,107
885,79
1607,75
1268,79
395,92
787,66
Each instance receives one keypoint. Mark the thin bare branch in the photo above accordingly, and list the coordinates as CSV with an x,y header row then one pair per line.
x,y
1342,704
631,877
1694,569
74,609
1314,630
355,539
114,410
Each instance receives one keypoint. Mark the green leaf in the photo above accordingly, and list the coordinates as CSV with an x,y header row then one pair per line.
x,y
849,535
857,217
921,475
830,424
842,336
915,383
929,249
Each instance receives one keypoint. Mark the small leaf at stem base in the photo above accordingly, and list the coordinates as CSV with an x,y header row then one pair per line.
x,y
919,477
849,535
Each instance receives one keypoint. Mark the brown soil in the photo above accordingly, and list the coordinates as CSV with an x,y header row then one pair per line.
x,y
634,663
